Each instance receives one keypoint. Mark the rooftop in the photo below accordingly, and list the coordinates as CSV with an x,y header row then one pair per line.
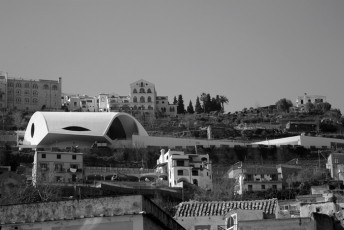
x,y
87,208
218,208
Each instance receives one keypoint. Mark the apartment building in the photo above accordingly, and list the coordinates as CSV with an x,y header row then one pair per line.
x,y
57,167
29,95
176,167
254,177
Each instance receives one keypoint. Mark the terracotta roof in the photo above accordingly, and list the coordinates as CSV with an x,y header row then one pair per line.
x,y
218,208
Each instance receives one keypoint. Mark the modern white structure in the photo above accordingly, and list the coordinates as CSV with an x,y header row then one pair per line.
x,y
305,141
61,129
176,167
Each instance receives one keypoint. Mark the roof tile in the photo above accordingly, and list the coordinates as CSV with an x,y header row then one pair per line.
x,y
217,208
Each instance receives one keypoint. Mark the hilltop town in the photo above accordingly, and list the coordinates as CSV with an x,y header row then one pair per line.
x,y
143,160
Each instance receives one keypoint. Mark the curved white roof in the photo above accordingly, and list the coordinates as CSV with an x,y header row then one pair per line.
x,y
46,128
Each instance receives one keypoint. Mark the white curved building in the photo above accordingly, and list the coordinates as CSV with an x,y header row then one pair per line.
x,y
65,129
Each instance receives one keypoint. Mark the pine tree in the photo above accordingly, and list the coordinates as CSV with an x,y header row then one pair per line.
x,y
175,100
190,108
198,107
180,105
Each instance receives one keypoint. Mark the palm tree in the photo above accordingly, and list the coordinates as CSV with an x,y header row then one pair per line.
x,y
223,100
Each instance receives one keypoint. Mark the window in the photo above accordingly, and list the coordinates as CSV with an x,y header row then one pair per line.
x,y
45,87
263,186
194,172
250,188
202,227
10,84
135,99
180,173
35,92
195,182
58,167
74,157
74,166
35,100
135,91
27,85
44,166
142,90
58,156
18,85
232,221
149,91
18,100
26,92
179,163
142,99
35,86
249,177
274,187
43,155
54,87
149,99
27,100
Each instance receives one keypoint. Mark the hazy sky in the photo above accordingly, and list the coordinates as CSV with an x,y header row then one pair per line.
x,y
254,52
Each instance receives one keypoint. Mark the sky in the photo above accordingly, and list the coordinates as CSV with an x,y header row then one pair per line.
x,y
254,52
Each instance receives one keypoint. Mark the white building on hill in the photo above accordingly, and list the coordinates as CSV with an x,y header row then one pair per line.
x,y
176,167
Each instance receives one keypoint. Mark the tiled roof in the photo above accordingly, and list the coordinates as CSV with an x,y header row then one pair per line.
x,y
218,208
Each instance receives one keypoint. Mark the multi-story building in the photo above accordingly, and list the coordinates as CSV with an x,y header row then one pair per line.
x,y
164,107
335,163
176,167
302,100
143,97
252,177
89,104
30,95
57,167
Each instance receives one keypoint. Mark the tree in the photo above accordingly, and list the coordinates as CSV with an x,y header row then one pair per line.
x,y
223,100
175,101
309,107
190,108
198,107
180,105
283,105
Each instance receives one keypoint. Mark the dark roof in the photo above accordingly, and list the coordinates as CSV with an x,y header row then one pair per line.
x,y
219,208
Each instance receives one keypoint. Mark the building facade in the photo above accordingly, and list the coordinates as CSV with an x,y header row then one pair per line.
x,y
335,163
302,100
176,167
57,167
29,95
254,177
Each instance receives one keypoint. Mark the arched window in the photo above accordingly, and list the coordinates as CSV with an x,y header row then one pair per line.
x,y
35,92
135,99
27,85
141,84
143,107
54,87
26,92
18,85
27,100
195,182
45,86
18,92
135,107
149,91
35,86
149,99
142,90
35,100
142,99
135,91
150,107
18,100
